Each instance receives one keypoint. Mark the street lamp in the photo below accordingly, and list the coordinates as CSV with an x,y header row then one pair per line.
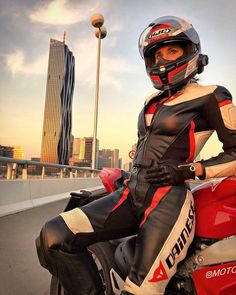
x,y
97,21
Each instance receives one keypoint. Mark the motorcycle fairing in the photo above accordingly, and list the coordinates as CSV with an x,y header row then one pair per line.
x,y
109,176
220,252
215,203
216,280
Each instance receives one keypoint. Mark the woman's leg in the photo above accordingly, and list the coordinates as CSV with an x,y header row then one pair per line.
x,y
165,233
63,240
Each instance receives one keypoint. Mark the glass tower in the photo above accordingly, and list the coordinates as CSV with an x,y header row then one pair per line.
x,y
56,136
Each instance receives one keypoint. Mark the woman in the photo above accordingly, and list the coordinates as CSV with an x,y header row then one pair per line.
x,y
155,203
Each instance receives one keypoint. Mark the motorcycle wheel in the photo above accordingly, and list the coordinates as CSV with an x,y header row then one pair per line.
x,y
103,255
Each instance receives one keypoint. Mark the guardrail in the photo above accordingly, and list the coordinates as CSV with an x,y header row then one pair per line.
x,y
17,168
27,184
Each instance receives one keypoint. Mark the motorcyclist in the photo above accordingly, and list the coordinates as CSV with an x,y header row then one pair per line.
x,y
156,203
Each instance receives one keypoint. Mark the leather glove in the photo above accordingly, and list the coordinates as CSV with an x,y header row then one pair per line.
x,y
169,174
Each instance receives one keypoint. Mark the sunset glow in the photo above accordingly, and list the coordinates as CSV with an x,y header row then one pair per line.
x,y
124,85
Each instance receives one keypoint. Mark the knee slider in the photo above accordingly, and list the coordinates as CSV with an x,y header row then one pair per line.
x,y
55,235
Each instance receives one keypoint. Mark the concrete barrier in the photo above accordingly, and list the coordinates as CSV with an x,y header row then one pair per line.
x,y
18,195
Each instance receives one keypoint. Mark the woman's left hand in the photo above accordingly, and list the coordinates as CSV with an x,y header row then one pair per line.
x,y
169,174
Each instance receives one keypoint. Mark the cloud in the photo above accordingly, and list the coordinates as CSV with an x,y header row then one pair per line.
x,y
16,64
115,27
15,61
61,12
111,69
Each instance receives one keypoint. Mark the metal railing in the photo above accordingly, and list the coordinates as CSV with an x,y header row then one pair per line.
x,y
15,168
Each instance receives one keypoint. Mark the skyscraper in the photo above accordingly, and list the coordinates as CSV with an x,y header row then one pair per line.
x,y
56,136
108,158
82,152
115,162
86,147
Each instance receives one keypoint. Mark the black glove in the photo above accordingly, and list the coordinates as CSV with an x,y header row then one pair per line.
x,y
169,174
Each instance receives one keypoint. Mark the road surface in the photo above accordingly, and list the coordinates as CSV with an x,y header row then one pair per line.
x,y
20,272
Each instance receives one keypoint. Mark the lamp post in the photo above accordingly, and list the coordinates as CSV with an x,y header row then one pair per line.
x,y
97,21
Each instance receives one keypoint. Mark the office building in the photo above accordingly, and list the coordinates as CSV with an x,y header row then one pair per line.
x,y
33,169
86,147
18,152
127,166
56,137
108,158
115,163
82,152
6,151
76,148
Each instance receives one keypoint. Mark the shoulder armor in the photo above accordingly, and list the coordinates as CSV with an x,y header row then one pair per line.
x,y
199,90
150,97
191,92
221,94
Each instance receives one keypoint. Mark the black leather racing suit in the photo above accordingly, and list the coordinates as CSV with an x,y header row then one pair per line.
x,y
163,218
181,126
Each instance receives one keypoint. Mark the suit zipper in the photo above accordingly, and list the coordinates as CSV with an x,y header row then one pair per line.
x,y
150,127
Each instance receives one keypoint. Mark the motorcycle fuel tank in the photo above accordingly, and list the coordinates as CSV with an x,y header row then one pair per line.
x,y
215,203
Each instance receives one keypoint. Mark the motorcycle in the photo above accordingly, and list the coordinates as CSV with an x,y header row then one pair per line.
x,y
210,265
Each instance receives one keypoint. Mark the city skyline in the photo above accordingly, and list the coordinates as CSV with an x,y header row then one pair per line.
x,y
81,154
124,84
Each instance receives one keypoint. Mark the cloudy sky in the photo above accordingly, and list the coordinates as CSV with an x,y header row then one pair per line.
x,y
26,27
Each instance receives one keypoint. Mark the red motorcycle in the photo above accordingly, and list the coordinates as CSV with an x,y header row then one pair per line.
x,y
210,265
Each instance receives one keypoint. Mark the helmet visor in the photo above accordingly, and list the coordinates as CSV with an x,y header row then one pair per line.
x,y
166,53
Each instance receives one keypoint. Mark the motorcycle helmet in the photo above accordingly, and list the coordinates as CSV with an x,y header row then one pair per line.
x,y
174,73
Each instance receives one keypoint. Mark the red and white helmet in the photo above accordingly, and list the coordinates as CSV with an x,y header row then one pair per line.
x,y
171,29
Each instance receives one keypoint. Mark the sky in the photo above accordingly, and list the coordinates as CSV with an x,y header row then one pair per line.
x,y
26,27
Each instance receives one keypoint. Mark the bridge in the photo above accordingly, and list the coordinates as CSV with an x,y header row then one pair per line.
x,y
31,193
